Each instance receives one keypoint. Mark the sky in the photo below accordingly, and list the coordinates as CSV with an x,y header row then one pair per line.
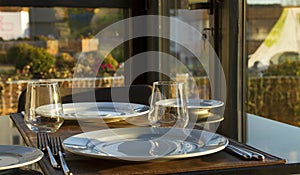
x,y
273,2
263,1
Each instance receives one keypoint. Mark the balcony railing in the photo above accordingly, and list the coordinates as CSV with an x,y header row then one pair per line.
x,y
11,90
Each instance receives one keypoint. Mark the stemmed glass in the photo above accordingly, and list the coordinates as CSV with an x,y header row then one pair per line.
x,y
168,105
43,107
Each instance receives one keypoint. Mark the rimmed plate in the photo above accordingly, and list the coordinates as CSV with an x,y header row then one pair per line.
x,y
203,116
13,156
193,103
209,118
145,143
101,110
204,104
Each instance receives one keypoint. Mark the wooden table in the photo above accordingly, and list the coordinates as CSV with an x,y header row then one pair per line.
x,y
220,162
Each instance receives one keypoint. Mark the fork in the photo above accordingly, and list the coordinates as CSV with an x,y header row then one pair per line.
x,y
58,151
43,144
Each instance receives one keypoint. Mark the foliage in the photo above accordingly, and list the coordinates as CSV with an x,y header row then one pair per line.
x,y
3,58
109,66
36,62
118,53
18,55
104,17
65,60
41,38
64,65
285,68
97,64
79,10
277,98
79,22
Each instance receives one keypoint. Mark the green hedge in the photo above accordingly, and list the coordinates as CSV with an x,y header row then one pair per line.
x,y
275,97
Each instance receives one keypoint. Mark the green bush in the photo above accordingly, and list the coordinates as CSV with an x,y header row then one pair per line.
x,y
65,61
19,55
286,68
39,62
64,65
3,57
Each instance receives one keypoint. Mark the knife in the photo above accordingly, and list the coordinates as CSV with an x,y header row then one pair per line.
x,y
237,152
255,154
244,153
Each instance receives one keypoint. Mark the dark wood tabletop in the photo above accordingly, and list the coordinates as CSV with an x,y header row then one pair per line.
x,y
214,163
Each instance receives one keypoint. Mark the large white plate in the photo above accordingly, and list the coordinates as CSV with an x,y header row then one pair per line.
x,y
101,110
145,143
12,156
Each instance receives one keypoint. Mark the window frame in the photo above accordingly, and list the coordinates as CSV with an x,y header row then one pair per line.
x,y
228,49
133,4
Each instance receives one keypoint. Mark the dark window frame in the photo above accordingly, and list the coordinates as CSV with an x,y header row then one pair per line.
x,y
225,48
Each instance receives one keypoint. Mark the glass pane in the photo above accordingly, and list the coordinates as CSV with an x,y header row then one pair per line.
x,y
273,76
194,68
273,51
49,43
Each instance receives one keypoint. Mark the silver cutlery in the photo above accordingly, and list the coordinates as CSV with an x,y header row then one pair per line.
x,y
244,153
58,151
255,155
43,144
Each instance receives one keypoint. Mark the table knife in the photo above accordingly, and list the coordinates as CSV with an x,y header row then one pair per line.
x,y
232,150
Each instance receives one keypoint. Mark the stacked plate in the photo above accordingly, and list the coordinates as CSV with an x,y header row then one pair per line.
x,y
200,111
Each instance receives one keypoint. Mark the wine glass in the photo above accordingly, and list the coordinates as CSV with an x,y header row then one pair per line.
x,y
168,105
43,108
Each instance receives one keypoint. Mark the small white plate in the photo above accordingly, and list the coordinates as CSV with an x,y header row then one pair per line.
x,y
204,104
203,116
193,103
12,156
145,143
210,118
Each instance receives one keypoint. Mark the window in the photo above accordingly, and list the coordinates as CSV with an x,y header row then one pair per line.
x,y
272,38
48,42
63,37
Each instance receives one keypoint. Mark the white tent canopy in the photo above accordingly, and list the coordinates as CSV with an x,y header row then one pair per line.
x,y
284,37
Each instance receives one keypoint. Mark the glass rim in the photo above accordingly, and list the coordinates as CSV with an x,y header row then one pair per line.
x,y
43,82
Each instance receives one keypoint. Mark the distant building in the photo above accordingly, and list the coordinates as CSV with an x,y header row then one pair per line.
x,y
260,21
14,24
48,22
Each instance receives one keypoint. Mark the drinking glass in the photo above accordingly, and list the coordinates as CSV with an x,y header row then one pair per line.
x,y
43,108
168,105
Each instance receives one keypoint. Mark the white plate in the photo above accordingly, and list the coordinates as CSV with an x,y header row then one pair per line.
x,y
12,156
145,143
193,103
101,110
204,104
209,118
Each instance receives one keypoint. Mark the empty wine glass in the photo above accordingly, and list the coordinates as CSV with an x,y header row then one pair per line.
x,y
168,105
43,108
